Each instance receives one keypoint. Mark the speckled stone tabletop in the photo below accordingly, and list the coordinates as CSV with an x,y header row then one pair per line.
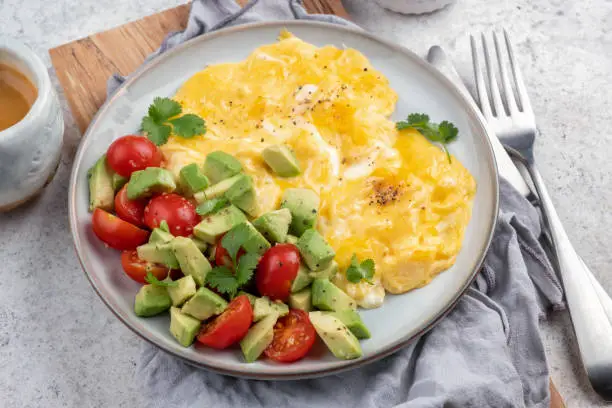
x,y
60,346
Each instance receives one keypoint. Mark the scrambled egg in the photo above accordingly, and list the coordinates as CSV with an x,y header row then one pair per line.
x,y
385,194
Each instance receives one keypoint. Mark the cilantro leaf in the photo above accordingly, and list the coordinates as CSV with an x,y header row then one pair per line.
x,y
246,265
157,133
163,109
150,278
443,133
212,206
163,225
222,279
357,272
188,126
234,239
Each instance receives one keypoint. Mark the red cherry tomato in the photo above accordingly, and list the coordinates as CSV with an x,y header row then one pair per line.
x,y
128,210
222,257
230,326
294,336
130,153
117,233
276,271
178,212
137,269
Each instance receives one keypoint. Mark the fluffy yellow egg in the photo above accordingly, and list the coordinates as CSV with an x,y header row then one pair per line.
x,y
387,195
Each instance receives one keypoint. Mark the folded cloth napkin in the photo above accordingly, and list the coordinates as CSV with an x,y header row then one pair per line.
x,y
486,353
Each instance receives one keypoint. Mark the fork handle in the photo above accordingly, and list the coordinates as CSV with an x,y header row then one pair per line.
x,y
592,327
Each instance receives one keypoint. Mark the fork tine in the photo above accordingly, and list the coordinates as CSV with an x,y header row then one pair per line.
x,y
483,98
495,95
518,78
508,92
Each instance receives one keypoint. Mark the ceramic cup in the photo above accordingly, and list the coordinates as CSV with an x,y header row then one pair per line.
x,y
29,150
414,6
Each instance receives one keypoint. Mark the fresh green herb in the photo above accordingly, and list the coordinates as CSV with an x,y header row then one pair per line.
x,y
246,265
442,133
234,239
163,225
212,206
360,271
222,279
150,278
162,119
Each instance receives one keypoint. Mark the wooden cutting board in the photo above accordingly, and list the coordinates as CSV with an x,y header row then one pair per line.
x,y
84,65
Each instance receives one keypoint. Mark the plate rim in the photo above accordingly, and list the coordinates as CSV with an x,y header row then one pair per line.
x,y
470,108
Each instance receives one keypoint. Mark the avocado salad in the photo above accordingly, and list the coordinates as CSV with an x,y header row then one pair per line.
x,y
226,274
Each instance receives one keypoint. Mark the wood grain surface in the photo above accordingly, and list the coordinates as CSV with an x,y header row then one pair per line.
x,y
84,65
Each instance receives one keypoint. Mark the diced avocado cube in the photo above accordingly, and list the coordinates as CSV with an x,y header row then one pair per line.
x,y
184,328
252,298
158,252
152,180
291,239
118,181
192,261
192,179
159,235
301,300
327,296
328,273
220,166
255,242
219,223
204,304
184,290
151,300
274,225
242,195
258,338
101,191
302,279
199,243
304,206
264,306
352,320
281,160
336,336
216,190
317,253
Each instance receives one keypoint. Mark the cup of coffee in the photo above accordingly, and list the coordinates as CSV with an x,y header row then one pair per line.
x,y
31,125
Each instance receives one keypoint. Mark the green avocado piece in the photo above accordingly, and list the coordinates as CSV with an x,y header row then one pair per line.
x,y
336,336
301,300
317,253
327,296
242,195
291,239
255,242
304,206
202,246
184,328
264,307
218,223
184,290
328,273
152,180
281,160
352,320
216,190
159,235
252,298
101,191
158,252
151,300
192,261
274,225
204,304
220,166
192,179
118,181
258,337
302,279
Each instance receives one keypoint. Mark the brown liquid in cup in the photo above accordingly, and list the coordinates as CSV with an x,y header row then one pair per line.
x,y
17,95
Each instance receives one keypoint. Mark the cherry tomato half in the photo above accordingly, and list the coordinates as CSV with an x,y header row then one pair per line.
x,y
222,257
130,153
178,212
117,233
128,210
294,336
137,269
230,326
276,271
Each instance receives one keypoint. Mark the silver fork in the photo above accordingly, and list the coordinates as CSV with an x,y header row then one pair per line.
x,y
513,121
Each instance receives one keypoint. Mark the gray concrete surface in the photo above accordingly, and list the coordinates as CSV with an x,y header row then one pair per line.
x,y
60,346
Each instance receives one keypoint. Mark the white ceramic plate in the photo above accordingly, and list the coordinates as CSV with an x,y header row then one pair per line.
x,y
420,88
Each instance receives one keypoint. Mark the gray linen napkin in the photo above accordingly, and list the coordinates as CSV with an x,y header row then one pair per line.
x,y
486,353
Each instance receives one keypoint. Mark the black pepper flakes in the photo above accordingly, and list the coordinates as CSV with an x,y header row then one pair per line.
x,y
365,70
